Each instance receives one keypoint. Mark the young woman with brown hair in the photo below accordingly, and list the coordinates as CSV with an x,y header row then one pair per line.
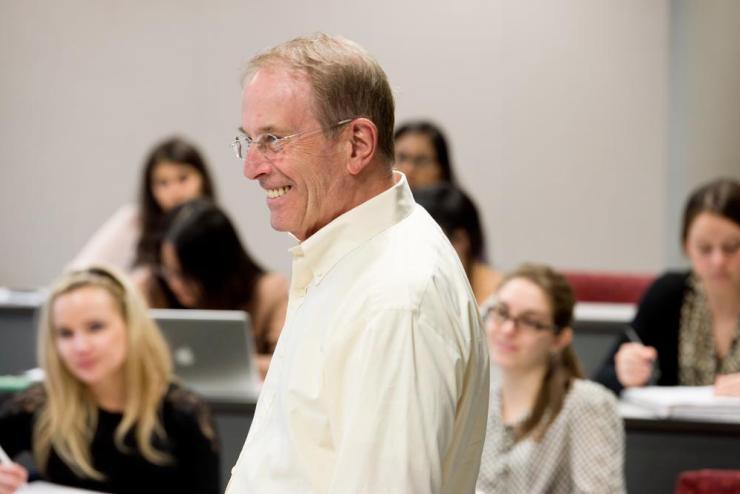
x,y
689,322
548,429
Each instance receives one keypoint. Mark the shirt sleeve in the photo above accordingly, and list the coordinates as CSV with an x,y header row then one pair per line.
x,y
597,438
400,385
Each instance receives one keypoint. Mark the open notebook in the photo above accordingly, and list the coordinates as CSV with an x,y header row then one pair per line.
x,y
685,402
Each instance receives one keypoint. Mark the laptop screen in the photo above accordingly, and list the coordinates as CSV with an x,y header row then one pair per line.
x,y
212,352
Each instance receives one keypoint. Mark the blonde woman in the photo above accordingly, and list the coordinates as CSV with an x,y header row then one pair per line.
x,y
548,429
107,417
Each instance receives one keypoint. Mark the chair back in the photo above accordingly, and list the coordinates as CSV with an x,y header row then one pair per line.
x,y
608,287
708,481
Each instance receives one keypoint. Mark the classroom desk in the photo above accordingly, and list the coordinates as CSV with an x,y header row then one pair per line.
x,y
658,450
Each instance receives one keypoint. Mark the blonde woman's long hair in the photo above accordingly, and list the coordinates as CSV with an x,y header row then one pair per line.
x,y
68,419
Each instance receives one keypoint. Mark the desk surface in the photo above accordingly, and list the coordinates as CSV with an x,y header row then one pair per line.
x,y
640,419
590,311
21,298
41,487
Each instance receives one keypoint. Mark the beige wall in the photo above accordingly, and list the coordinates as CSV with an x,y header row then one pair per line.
x,y
557,112
704,100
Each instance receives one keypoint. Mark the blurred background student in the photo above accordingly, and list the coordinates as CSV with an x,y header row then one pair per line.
x,y
689,322
174,172
422,154
202,264
458,216
548,429
108,416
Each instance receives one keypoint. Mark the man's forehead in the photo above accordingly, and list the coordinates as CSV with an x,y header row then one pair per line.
x,y
275,92
278,79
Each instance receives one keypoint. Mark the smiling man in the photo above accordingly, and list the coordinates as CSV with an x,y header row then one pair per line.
x,y
379,382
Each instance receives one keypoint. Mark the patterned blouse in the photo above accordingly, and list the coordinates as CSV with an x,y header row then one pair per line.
x,y
581,452
698,360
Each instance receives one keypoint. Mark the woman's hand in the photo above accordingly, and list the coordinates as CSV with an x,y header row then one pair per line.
x,y
727,385
12,476
634,364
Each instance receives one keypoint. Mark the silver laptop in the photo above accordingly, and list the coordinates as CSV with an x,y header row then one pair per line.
x,y
212,351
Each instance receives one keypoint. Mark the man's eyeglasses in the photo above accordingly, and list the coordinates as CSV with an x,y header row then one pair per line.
x,y
499,314
270,145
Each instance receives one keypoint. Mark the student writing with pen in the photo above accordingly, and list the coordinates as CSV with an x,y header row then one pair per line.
x,y
688,324
107,416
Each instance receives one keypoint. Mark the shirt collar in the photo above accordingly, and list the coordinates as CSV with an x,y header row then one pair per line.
x,y
322,250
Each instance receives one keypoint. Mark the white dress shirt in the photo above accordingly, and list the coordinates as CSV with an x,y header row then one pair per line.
x,y
380,379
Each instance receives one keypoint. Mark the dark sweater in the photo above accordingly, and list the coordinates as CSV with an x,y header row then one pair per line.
x,y
185,418
657,323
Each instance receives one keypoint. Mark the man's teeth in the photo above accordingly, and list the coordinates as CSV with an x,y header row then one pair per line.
x,y
273,193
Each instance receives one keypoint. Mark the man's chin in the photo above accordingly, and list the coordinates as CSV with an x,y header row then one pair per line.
x,y
279,225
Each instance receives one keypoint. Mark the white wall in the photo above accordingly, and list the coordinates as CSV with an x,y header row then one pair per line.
x,y
704,101
557,113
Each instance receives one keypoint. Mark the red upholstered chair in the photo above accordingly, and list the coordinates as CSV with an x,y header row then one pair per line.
x,y
608,287
708,481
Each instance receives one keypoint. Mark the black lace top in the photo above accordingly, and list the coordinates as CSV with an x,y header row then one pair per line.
x,y
191,442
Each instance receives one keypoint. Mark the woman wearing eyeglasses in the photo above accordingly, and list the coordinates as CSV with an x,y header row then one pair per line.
x,y
548,429
422,154
202,264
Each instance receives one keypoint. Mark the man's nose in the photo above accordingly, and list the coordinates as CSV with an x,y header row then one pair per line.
x,y
255,163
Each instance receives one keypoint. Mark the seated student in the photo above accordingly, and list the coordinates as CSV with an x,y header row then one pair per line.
x,y
689,322
548,430
174,172
108,416
422,154
458,217
204,265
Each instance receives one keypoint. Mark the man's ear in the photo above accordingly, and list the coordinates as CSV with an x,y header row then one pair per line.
x,y
363,143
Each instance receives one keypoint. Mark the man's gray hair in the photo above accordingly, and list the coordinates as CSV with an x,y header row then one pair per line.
x,y
346,81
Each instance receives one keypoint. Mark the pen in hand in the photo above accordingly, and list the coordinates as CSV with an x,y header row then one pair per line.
x,y
655,372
